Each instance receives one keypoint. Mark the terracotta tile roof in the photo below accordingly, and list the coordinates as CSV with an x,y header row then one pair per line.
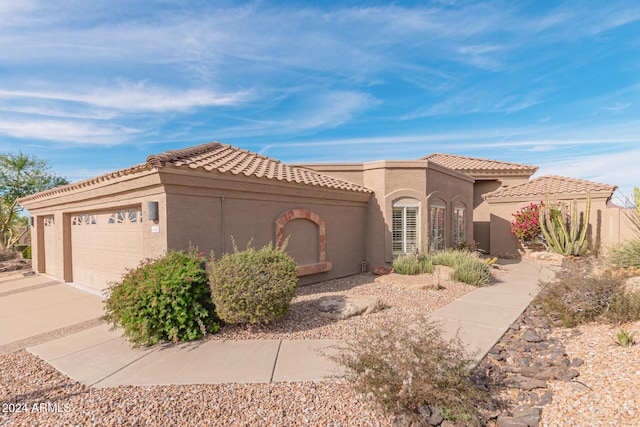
x,y
476,166
553,185
224,158
84,183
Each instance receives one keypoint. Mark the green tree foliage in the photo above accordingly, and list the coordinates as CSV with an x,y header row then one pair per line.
x,y
20,176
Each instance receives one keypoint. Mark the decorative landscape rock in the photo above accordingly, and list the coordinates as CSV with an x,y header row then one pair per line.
x,y
519,367
15,265
344,306
547,257
443,273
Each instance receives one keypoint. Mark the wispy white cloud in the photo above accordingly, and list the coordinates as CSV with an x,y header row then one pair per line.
x,y
620,106
135,97
607,168
70,131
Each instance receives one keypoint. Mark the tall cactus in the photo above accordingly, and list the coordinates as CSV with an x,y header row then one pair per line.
x,y
561,234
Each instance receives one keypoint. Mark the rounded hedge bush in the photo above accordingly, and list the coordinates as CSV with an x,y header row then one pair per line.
x,y
166,298
253,286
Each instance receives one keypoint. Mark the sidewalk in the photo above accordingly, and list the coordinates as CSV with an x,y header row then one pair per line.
x,y
101,358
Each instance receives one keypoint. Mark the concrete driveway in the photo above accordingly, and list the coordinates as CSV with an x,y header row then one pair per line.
x,y
35,309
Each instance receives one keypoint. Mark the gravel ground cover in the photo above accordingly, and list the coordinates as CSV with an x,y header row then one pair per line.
x,y
607,394
34,393
305,322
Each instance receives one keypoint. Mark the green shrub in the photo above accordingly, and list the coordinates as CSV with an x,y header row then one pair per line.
x,y
402,369
253,286
410,264
626,255
467,266
26,252
574,298
7,254
166,298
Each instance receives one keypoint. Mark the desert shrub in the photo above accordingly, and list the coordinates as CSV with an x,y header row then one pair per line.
x,y
7,254
402,369
411,264
467,266
626,254
253,286
575,298
165,298
426,263
474,271
624,307
26,252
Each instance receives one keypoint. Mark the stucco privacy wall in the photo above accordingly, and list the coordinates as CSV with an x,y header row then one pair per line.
x,y
212,213
605,225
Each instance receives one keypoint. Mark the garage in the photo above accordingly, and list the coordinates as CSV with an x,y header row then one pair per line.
x,y
104,244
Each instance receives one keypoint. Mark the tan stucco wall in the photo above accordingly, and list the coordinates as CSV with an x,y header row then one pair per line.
x,y
482,213
452,188
391,180
208,213
606,226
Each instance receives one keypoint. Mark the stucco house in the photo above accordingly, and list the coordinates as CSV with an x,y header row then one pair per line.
x,y
339,219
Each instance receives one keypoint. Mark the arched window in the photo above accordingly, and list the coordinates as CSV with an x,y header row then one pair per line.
x,y
459,223
438,223
406,226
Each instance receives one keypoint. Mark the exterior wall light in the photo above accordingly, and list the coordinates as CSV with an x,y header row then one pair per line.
x,y
152,211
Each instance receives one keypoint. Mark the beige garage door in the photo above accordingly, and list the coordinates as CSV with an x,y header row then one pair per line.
x,y
49,245
104,244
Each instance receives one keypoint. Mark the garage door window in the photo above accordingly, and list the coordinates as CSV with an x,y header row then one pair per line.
x,y
125,216
84,219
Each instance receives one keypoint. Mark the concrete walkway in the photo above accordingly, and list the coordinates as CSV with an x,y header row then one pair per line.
x,y
99,357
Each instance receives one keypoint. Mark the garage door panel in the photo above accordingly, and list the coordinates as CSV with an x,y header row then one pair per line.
x,y
105,245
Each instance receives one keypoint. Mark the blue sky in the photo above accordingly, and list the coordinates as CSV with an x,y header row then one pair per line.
x,y
95,86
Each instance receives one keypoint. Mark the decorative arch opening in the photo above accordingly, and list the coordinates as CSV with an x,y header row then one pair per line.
x,y
321,264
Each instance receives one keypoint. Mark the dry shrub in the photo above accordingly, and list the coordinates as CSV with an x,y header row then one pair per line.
x,y
626,254
7,254
402,369
575,298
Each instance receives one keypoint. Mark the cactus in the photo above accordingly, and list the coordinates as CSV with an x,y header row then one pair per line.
x,y
561,234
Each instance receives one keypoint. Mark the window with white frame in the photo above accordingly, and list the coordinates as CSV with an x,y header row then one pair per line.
x,y
438,223
406,226
459,224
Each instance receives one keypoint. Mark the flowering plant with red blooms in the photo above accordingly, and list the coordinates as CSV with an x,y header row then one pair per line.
x,y
526,223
